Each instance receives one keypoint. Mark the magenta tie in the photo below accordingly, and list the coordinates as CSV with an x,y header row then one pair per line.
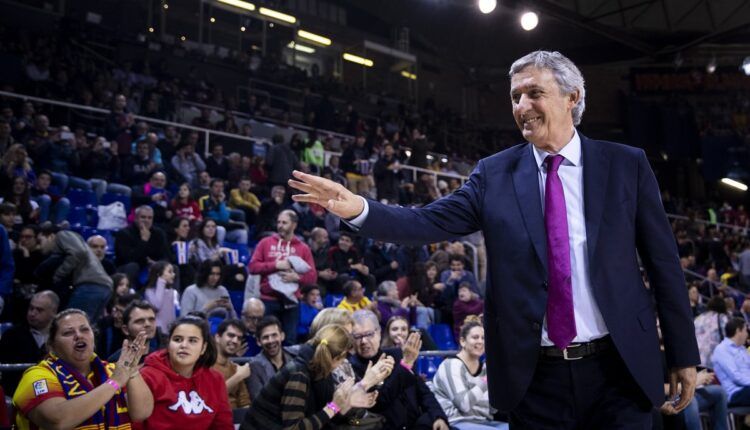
x,y
561,325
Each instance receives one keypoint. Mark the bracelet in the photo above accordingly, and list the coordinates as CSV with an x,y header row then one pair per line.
x,y
334,407
112,383
405,365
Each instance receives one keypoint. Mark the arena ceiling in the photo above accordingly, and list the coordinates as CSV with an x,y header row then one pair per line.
x,y
589,31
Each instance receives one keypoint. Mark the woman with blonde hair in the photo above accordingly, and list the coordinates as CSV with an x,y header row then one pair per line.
x,y
290,399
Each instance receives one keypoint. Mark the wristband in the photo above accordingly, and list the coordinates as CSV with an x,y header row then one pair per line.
x,y
405,365
113,384
334,407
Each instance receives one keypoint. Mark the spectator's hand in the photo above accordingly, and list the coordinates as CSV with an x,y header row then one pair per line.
x,y
222,197
405,303
290,276
331,195
394,264
455,275
440,424
705,377
411,347
283,265
243,371
145,233
439,286
130,357
327,274
377,373
684,378
242,349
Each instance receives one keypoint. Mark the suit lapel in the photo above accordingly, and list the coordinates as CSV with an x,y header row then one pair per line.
x,y
526,183
595,176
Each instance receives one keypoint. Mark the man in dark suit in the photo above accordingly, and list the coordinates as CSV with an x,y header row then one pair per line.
x,y
27,343
571,328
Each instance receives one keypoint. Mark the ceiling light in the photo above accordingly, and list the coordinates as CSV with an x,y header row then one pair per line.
x,y
357,59
734,184
277,15
151,29
243,28
166,6
301,48
486,6
711,66
183,38
407,75
314,37
746,66
212,20
239,3
529,21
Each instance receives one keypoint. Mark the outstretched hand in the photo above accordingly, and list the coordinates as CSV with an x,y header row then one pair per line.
x,y
331,195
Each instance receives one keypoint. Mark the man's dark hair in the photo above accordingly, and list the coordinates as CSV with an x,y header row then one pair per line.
x,y
47,229
349,286
8,208
215,180
347,234
733,326
717,304
230,322
125,300
44,172
307,289
140,304
267,321
458,258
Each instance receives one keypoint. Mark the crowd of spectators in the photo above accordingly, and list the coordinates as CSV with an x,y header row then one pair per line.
x,y
211,247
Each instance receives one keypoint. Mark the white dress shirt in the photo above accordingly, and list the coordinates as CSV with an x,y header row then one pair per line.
x,y
589,322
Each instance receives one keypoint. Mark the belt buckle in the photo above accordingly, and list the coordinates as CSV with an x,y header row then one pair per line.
x,y
565,353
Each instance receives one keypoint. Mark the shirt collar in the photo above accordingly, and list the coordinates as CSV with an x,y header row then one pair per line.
x,y
571,151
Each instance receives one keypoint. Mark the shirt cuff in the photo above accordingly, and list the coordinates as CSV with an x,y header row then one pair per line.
x,y
356,222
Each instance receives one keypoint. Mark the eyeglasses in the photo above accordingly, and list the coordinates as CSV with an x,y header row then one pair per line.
x,y
366,335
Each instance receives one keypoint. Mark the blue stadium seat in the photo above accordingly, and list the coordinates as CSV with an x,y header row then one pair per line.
x,y
110,197
428,366
79,197
237,297
332,300
443,336
78,216
5,327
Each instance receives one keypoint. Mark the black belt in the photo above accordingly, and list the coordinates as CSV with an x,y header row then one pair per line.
x,y
576,351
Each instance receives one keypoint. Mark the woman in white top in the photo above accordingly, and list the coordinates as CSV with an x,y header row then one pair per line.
x,y
159,292
460,384
207,295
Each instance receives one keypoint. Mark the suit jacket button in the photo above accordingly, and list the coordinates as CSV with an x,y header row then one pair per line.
x,y
536,326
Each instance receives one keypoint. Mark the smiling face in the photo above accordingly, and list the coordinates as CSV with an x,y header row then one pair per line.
x,y
270,339
74,340
473,344
542,113
186,345
229,342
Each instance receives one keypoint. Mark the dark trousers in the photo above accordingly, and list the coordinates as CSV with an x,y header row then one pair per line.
x,y
593,393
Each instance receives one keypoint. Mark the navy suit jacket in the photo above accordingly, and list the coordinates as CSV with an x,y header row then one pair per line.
x,y
624,218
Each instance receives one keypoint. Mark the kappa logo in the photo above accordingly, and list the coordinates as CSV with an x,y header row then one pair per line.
x,y
194,406
40,387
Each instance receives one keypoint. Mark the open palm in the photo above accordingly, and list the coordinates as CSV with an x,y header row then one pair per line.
x,y
331,195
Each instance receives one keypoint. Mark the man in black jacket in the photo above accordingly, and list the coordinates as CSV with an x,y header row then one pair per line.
x,y
26,343
404,399
140,244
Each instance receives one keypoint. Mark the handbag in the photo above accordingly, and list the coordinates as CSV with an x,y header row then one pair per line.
x,y
363,420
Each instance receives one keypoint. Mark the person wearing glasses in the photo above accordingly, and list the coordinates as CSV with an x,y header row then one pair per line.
x,y
252,312
404,400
